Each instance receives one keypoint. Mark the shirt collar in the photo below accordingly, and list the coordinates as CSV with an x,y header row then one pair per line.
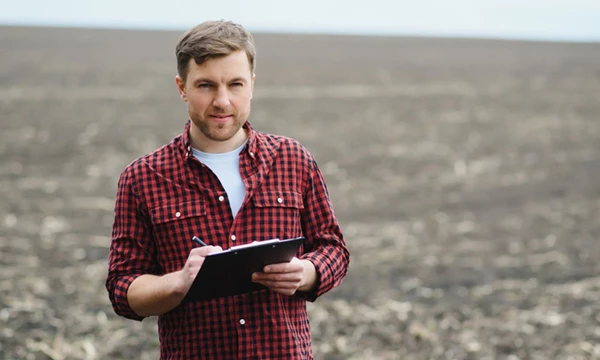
x,y
250,148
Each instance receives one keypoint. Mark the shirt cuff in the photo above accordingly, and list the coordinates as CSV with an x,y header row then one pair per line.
x,y
118,297
315,293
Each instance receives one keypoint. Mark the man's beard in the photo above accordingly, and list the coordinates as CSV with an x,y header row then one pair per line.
x,y
218,132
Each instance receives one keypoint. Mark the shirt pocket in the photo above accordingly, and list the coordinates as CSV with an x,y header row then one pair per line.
x,y
278,213
174,225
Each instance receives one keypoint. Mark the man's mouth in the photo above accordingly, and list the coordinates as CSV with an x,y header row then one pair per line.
x,y
221,116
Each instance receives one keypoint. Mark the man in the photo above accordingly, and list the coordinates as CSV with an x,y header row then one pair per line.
x,y
228,184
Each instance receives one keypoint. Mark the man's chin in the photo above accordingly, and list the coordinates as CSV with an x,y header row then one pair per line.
x,y
221,133
218,132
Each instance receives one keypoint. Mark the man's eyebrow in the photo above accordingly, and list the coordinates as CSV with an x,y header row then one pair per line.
x,y
212,82
238,79
204,80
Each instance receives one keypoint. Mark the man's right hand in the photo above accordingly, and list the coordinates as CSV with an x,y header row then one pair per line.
x,y
193,265
150,295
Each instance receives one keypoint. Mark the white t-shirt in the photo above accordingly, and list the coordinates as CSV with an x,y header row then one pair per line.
x,y
226,167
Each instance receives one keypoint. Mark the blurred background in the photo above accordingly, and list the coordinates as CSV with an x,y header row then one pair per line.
x,y
460,142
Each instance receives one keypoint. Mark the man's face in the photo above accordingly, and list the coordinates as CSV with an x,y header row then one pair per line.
x,y
218,94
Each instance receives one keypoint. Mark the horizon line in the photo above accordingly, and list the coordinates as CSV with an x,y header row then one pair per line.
x,y
316,32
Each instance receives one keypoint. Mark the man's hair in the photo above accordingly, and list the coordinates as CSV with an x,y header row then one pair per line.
x,y
213,39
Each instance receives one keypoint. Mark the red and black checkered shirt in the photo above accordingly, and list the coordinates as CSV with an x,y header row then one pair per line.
x,y
168,196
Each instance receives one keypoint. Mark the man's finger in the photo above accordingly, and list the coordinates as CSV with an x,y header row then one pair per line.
x,y
283,268
289,277
280,285
205,250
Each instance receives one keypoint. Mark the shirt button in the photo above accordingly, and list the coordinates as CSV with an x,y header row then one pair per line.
x,y
221,198
280,200
242,321
251,154
177,214
233,237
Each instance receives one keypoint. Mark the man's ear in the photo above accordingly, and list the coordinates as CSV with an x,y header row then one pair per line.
x,y
252,85
181,88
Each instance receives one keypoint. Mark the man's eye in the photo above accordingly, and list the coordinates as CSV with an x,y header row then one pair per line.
x,y
204,86
237,84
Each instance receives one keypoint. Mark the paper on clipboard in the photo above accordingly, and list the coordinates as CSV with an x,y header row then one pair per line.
x,y
245,246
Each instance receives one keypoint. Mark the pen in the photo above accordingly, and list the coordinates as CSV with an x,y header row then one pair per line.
x,y
196,239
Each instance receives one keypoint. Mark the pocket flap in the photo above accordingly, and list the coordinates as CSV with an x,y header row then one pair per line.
x,y
172,211
278,198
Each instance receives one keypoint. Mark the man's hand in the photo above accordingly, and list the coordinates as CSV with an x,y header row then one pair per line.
x,y
150,295
193,265
287,278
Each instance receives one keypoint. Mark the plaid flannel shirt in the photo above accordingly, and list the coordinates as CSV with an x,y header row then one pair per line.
x,y
168,196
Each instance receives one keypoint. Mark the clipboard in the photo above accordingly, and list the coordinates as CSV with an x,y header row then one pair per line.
x,y
229,272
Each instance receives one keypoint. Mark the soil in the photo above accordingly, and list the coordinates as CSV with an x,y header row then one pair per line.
x,y
465,174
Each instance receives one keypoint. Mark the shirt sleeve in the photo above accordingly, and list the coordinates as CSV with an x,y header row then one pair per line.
x,y
132,250
325,246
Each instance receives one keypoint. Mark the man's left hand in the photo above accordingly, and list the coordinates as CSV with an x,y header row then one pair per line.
x,y
287,278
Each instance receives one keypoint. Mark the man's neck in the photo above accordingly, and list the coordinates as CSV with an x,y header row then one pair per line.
x,y
200,142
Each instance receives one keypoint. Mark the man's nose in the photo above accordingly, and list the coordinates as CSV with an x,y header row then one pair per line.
x,y
221,99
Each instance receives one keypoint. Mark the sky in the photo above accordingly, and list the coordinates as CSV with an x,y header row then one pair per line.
x,y
553,20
